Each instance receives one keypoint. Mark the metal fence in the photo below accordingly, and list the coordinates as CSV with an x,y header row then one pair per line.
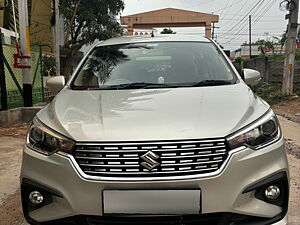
x,y
11,82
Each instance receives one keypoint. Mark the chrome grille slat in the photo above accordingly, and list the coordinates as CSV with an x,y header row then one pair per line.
x,y
189,164
162,157
102,158
150,143
221,147
163,165
174,158
149,173
192,156
110,166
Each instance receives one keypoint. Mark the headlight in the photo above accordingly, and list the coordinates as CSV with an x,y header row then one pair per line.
x,y
46,141
264,131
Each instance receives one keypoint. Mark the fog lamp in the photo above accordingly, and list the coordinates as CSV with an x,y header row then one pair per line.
x,y
36,197
272,192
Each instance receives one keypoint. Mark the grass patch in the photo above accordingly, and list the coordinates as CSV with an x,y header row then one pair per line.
x,y
298,92
276,57
271,93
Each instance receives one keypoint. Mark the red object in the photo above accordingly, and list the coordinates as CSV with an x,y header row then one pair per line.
x,y
18,56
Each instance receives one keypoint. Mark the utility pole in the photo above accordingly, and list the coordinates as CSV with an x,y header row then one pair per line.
x,y
25,51
3,92
57,38
213,31
289,63
250,41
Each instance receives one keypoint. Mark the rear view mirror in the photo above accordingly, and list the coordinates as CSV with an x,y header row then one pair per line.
x,y
251,77
56,84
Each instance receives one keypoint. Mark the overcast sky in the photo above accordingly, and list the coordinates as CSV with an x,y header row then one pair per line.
x,y
267,19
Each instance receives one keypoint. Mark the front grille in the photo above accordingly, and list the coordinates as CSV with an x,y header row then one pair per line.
x,y
203,219
173,158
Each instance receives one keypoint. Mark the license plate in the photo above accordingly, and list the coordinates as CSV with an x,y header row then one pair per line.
x,y
158,202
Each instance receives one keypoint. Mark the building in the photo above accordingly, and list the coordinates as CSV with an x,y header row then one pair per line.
x,y
39,13
139,32
169,17
8,36
256,50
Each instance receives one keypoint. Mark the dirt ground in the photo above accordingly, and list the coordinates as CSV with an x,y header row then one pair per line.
x,y
11,141
16,131
290,122
289,109
10,166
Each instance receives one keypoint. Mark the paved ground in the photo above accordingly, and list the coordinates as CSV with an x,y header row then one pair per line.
x,y
291,131
10,164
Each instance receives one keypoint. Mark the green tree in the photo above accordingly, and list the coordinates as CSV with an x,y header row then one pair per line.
x,y
167,31
263,44
87,21
281,40
48,66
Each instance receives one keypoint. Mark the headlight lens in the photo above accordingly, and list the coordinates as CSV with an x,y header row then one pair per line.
x,y
46,141
259,134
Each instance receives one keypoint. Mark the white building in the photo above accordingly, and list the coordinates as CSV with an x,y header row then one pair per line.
x,y
8,36
140,32
244,51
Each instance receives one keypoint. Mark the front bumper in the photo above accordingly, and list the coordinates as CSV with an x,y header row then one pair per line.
x,y
77,198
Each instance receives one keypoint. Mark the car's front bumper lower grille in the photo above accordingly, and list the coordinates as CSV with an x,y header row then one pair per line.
x,y
151,159
203,219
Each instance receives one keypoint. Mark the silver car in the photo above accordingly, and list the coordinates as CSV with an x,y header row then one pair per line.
x,y
155,130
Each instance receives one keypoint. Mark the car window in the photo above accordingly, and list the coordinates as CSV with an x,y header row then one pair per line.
x,y
175,63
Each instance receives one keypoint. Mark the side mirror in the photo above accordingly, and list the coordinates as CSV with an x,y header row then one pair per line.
x,y
56,84
251,77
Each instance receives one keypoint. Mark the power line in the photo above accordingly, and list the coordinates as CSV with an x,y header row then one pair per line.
x,y
244,15
263,13
225,9
236,3
265,9
244,19
233,19
235,16
246,34
268,28
208,2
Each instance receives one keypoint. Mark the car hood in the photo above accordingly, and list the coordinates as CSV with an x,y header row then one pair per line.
x,y
153,114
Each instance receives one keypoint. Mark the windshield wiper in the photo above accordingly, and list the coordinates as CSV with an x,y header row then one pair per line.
x,y
140,85
211,83
136,85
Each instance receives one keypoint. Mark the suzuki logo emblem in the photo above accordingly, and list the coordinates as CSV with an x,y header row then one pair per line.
x,y
150,160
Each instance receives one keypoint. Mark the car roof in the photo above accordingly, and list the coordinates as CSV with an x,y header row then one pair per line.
x,y
156,38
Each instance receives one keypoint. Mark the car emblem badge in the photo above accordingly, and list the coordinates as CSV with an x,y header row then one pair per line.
x,y
150,160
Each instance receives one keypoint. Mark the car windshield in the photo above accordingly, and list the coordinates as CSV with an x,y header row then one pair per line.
x,y
153,65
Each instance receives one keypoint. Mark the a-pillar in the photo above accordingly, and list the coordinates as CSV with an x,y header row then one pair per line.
x,y
208,30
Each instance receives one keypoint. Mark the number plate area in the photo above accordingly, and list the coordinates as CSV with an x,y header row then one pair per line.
x,y
152,202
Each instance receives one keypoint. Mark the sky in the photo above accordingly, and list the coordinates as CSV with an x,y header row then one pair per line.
x,y
267,18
